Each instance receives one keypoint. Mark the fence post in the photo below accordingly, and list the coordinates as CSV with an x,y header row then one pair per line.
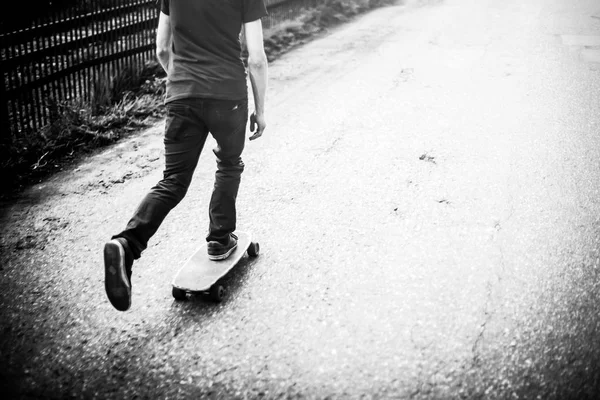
x,y
5,127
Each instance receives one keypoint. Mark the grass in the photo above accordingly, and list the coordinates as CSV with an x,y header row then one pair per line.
x,y
329,13
125,104
134,100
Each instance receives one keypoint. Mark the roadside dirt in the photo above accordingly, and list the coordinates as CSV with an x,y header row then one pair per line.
x,y
92,175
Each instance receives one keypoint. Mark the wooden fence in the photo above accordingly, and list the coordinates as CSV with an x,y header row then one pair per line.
x,y
68,56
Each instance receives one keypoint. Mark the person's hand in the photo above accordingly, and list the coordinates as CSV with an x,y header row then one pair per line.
x,y
257,125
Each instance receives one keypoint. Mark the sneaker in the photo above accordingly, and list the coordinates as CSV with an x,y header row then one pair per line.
x,y
220,251
117,269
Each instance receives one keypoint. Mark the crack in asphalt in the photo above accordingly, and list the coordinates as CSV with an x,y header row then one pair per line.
x,y
482,327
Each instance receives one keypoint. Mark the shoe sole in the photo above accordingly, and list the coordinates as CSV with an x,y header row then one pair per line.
x,y
116,282
219,257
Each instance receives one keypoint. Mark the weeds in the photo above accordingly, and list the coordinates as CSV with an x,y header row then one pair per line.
x,y
124,104
326,15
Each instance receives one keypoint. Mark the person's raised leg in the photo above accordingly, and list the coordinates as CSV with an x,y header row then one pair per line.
x,y
185,135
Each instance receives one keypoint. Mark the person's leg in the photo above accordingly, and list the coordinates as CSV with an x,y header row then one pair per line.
x,y
227,123
185,135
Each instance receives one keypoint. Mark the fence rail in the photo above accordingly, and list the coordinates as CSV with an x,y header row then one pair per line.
x,y
68,56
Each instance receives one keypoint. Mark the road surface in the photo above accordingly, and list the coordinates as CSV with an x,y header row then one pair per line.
x,y
426,200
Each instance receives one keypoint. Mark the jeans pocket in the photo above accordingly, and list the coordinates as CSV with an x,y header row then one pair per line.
x,y
178,118
231,113
177,108
229,107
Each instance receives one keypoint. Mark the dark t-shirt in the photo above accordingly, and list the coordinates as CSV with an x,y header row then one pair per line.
x,y
206,53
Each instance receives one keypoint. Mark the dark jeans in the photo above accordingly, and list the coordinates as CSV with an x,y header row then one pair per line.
x,y
187,126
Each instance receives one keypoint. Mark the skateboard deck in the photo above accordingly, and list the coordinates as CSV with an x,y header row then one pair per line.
x,y
200,274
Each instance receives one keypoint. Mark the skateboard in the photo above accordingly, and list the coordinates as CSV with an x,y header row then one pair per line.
x,y
201,275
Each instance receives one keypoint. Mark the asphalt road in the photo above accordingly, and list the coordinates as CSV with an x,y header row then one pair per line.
x,y
426,200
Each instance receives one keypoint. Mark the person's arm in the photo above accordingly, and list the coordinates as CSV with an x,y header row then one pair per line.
x,y
258,71
163,41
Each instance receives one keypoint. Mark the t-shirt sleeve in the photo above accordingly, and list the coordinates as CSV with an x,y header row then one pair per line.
x,y
253,10
164,6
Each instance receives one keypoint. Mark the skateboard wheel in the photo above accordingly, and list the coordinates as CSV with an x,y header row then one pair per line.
x,y
178,294
253,249
217,293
